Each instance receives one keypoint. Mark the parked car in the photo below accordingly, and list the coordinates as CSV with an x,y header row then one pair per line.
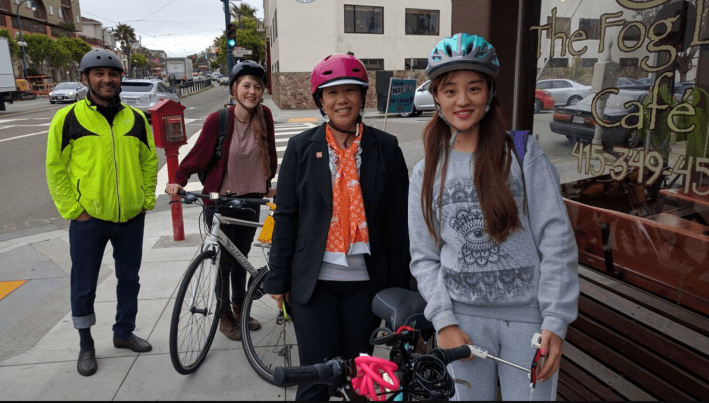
x,y
68,92
564,92
143,94
576,121
423,101
543,100
681,88
223,80
628,83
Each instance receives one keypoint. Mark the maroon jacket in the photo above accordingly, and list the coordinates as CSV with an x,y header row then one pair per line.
x,y
201,157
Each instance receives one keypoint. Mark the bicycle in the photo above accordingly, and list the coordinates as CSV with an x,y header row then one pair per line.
x,y
195,315
409,374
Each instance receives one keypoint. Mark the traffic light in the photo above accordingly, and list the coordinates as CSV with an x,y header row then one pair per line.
x,y
231,35
216,51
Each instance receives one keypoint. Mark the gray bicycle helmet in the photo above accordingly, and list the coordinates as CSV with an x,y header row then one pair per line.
x,y
462,52
100,58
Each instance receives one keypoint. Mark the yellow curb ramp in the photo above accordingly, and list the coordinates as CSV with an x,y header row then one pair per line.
x,y
6,287
303,120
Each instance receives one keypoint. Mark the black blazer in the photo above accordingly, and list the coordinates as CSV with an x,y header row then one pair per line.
x,y
304,210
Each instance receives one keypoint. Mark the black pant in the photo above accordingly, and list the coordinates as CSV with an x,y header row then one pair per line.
x,y
242,237
336,322
87,243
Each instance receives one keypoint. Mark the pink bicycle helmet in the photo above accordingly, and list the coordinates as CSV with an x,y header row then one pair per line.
x,y
336,70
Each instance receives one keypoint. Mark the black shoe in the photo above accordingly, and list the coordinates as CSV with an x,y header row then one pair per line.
x,y
87,364
134,343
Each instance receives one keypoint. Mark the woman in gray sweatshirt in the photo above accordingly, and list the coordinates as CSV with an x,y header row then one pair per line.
x,y
491,244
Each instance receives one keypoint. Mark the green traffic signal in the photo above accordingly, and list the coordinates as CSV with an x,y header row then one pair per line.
x,y
231,35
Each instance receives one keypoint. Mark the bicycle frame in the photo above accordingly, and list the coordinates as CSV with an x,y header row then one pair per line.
x,y
217,240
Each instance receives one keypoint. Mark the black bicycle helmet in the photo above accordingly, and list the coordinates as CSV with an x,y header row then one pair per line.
x,y
247,68
100,58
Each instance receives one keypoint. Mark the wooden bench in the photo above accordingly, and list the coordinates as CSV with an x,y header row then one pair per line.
x,y
628,344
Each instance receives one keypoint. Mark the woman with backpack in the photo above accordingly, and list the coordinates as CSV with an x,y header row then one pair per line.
x,y
340,232
491,244
243,165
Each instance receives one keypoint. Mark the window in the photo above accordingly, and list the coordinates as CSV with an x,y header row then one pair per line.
x,y
51,10
591,26
364,20
419,64
422,22
373,64
628,62
562,25
59,12
588,61
559,62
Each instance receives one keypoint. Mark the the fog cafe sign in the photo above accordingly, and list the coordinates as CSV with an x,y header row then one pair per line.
x,y
659,34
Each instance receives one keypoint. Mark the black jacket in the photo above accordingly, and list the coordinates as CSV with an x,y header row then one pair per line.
x,y
304,211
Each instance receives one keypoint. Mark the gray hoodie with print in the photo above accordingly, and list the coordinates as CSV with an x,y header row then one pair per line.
x,y
531,277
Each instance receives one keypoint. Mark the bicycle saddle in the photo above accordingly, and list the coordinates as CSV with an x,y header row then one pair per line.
x,y
401,307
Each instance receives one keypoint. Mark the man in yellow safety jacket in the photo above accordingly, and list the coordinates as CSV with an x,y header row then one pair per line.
x,y
102,172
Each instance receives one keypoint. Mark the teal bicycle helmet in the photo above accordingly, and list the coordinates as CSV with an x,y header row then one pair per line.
x,y
462,52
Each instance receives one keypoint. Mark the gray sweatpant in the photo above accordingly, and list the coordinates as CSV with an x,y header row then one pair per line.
x,y
510,341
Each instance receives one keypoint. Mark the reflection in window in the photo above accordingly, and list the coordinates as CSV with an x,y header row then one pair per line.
x,y
419,64
373,64
628,62
559,62
364,19
562,25
591,26
422,22
588,61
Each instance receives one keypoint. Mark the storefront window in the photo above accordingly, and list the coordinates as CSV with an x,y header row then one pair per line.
x,y
629,135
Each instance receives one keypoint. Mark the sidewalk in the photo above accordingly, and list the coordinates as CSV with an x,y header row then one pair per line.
x,y
46,370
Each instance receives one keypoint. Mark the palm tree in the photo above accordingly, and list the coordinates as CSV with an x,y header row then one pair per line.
x,y
243,10
126,34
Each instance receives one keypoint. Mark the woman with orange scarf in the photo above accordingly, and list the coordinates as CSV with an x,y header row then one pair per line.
x,y
341,222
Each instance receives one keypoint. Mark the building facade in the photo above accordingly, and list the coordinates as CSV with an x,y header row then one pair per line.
x,y
51,17
385,35
96,34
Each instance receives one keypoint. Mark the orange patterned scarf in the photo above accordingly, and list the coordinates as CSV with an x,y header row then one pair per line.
x,y
348,234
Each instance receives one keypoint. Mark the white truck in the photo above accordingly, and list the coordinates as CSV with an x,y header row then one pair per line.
x,y
8,87
179,69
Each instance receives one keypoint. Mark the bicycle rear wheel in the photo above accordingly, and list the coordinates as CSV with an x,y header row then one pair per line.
x,y
196,314
274,344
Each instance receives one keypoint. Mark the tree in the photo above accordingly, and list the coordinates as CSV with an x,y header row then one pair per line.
x,y
126,35
138,60
46,52
220,43
78,48
14,47
248,36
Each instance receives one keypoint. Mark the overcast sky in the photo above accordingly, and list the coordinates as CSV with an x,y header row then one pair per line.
x,y
179,27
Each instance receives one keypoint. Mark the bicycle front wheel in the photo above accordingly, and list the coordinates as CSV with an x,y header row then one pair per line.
x,y
196,314
274,344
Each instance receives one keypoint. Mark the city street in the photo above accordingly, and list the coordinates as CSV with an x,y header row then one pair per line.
x,y
26,207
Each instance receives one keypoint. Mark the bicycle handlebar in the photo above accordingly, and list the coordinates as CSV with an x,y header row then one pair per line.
x,y
186,194
330,373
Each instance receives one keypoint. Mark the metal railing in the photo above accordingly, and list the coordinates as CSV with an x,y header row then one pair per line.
x,y
189,87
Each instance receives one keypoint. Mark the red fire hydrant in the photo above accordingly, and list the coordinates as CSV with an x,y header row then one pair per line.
x,y
169,131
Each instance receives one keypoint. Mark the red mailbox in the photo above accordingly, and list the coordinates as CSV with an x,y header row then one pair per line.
x,y
169,132
168,124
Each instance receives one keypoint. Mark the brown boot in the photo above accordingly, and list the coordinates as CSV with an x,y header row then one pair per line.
x,y
229,326
253,323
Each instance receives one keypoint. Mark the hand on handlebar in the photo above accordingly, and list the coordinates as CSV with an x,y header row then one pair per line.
x,y
172,189
279,299
452,337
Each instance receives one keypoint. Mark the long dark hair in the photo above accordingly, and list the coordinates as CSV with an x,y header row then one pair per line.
x,y
493,157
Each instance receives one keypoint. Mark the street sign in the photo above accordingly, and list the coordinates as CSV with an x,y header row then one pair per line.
x,y
240,52
401,96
